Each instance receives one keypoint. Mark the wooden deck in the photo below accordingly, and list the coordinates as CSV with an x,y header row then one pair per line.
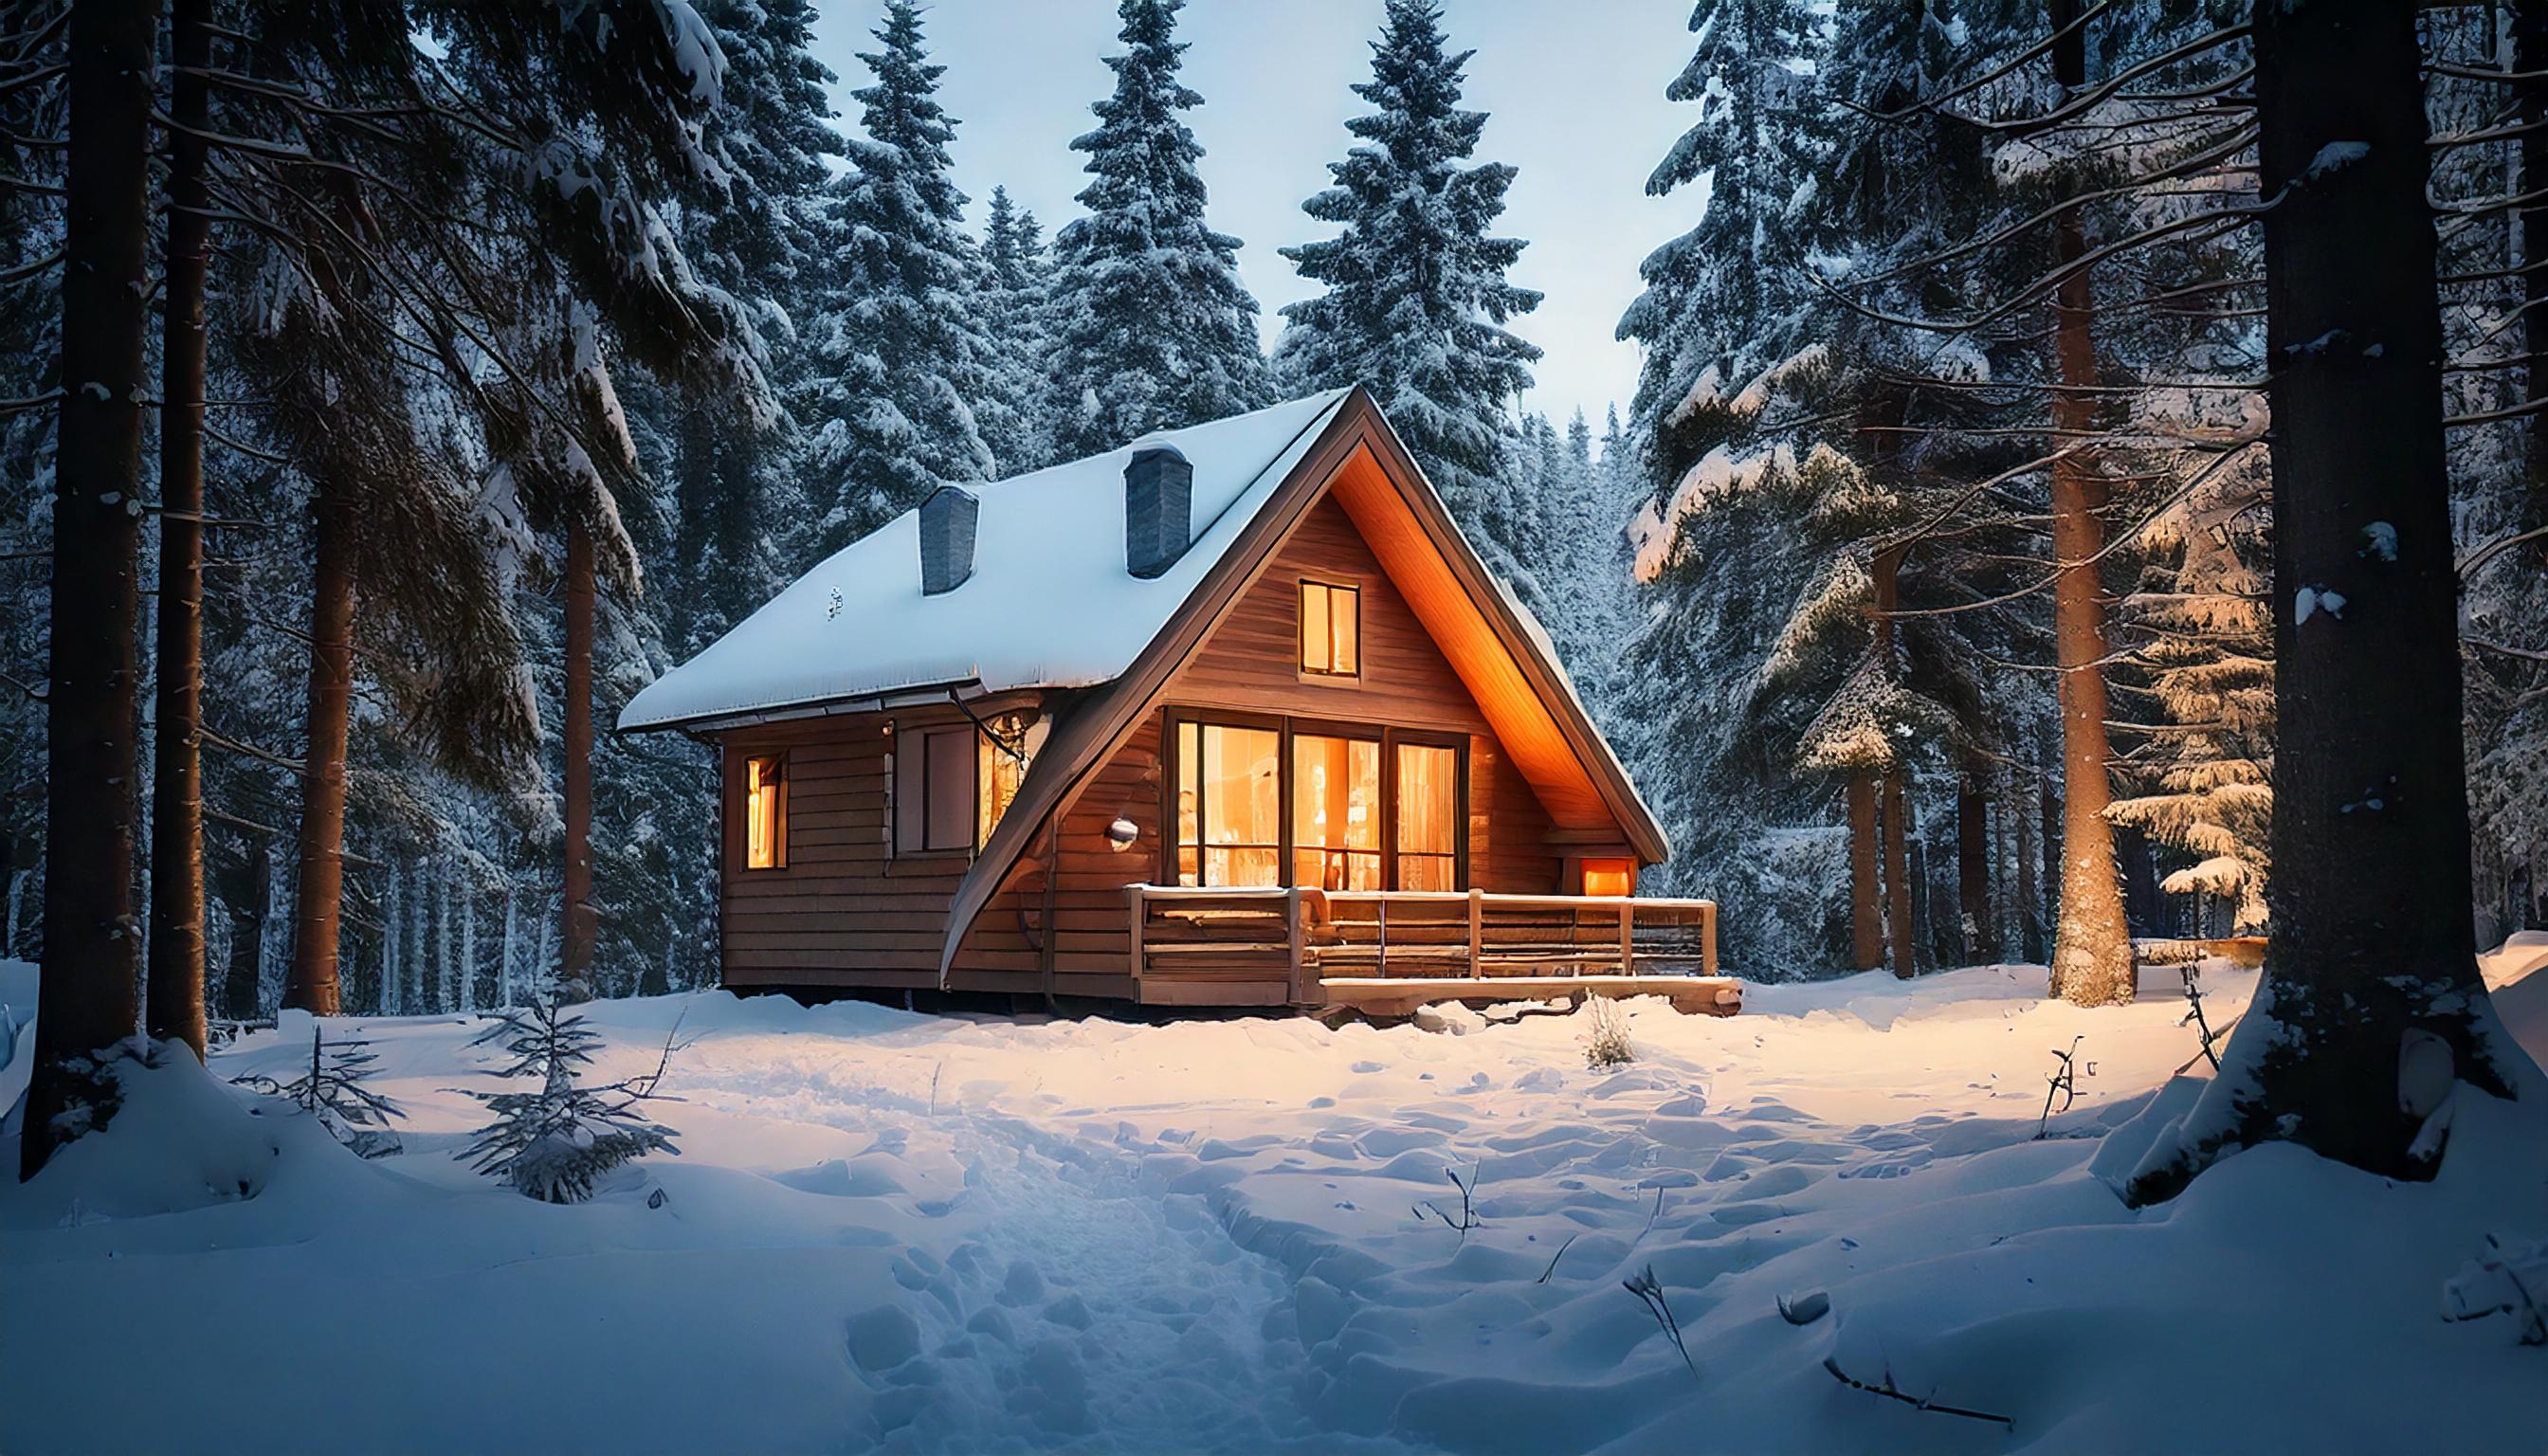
x,y
1390,952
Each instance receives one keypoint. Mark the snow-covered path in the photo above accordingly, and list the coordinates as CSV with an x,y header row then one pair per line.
x,y
943,1235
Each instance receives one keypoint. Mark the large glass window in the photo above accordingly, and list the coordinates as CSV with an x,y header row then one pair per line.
x,y
1332,799
764,813
1229,805
1429,817
1330,630
1336,812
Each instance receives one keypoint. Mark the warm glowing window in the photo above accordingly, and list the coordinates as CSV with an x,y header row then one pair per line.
x,y
1229,805
1610,876
1429,817
1330,630
764,813
1003,760
1336,812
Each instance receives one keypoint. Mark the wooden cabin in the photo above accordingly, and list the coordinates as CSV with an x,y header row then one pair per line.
x,y
1232,716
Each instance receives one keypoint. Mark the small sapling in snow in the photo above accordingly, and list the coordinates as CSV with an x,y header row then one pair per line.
x,y
1891,1392
555,1144
332,1091
1468,1218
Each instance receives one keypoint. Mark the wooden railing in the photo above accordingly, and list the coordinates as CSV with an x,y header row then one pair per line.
x,y
1299,936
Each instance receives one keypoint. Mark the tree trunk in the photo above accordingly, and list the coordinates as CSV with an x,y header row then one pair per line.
x,y
2530,60
174,1007
1981,936
317,910
1865,907
392,990
1897,877
2092,951
250,903
576,976
89,995
2027,811
2371,1001
504,960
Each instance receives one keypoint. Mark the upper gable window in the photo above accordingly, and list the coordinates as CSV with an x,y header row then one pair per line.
x,y
1330,630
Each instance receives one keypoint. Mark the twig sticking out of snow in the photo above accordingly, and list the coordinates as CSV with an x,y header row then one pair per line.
x,y
1553,1258
1606,1040
2194,1012
1892,1392
2065,1084
1650,1291
1468,1218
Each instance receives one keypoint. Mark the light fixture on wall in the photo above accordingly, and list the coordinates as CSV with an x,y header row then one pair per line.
x,y
1120,835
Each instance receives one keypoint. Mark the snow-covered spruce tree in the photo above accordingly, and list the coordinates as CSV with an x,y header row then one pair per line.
x,y
1416,299
1151,329
333,1089
2372,1019
1721,315
556,1142
1016,304
899,375
2204,629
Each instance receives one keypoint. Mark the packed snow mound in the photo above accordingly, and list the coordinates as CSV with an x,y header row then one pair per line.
x,y
947,1233
178,1140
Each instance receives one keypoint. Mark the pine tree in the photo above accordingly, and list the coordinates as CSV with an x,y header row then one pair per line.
x,y
900,377
553,1144
1416,299
1016,301
1151,327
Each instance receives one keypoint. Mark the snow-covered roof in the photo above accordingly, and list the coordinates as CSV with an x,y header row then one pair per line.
x,y
1049,604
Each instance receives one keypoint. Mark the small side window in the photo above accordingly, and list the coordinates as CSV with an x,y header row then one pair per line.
x,y
1330,630
764,813
933,789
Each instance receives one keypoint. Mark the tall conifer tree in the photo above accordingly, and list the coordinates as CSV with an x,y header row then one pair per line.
x,y
1151,327
900,354
1416,297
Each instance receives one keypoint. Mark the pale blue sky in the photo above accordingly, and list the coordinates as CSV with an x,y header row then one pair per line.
x,y
1575,88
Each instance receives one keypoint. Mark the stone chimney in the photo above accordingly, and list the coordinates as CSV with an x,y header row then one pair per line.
x,y
1158,510
946,521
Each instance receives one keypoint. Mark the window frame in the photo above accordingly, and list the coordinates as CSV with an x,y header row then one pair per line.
x,y
913,738
1173,721
744,761
1330,674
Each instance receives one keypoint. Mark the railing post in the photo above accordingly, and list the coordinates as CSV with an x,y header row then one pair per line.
x,y
1628,937
1381,910
1477,933
1707,939
1133,894
1292,922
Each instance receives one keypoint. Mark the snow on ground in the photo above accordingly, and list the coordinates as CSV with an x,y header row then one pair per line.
x,y
948,1233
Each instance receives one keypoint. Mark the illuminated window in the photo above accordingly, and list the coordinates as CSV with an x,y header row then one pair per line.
x,y
1229,805
764,813
1003,758
1330,630
1336,812
1334,800
1610,876
1429,817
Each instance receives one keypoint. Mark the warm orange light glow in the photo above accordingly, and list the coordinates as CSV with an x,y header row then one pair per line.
x,y
1336,812
1429,817
1610,876
1330,629
764,813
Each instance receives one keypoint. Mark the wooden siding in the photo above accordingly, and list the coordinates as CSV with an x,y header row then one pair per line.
x,y
843,911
